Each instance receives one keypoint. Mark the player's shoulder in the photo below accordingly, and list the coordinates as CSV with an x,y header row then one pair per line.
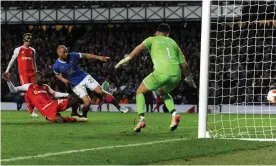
x,y
172,40
32,85
149,38
17,49
71,54
32,48
57,64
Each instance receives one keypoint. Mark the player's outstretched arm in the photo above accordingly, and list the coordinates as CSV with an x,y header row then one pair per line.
x,y
64,80
14,89
140,48
92,56
56,94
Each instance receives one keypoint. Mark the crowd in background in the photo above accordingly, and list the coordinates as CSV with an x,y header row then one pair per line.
x,y
242,58
242,62
115,41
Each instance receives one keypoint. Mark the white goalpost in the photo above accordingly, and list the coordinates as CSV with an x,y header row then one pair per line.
x,y
237,70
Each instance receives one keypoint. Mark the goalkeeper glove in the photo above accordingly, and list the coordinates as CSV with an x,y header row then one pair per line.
x,y
189,80
123,61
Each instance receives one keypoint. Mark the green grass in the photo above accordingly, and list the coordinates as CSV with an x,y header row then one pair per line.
x,y
242,125
24,136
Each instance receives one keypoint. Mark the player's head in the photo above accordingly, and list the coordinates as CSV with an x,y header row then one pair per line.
x,y
27,39
163,30
39,78
62,52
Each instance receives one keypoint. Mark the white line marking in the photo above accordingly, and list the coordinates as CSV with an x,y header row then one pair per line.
x,y
91,149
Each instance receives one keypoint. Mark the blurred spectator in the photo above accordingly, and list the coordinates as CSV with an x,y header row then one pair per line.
x,y
123,100
242,59
114,40
149,101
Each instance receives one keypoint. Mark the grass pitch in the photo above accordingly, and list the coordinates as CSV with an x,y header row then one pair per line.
x,y
23,136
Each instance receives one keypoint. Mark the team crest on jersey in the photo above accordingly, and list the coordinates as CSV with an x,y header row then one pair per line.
x,y
70,71
39,91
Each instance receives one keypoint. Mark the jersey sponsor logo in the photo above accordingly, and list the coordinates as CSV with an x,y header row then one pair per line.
x,y
39,91
70,71
26,58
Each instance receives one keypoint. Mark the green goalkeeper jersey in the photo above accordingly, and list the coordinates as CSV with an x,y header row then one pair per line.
x,y
165,54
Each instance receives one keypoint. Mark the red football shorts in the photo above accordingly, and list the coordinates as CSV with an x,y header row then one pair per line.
x,y
105,101
26,78
57,106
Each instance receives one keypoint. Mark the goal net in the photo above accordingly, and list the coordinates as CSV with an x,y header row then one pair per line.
x,y
242,70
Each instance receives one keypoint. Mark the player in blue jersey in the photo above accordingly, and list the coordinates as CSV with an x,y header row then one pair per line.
x,y
67,70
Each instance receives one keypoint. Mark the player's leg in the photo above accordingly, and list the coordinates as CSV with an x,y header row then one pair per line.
x,y
28,78
147,107
24,78
151,107
107,106
93,85
64,104
140,102
168,100
59,119
110,99
86,104
80,91
74,104
31,107
150,83
99,109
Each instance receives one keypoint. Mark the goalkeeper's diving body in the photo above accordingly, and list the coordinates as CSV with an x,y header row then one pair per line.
x,y
168,61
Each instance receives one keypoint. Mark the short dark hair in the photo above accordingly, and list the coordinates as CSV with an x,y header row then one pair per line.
x,y
27,36
164,28
40,73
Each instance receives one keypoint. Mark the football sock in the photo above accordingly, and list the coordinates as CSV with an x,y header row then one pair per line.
x,y
75,110
112,100
174,113
168,100
140,101
85,110
69,120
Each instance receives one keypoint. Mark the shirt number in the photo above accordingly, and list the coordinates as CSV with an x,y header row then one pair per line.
x,y
169,53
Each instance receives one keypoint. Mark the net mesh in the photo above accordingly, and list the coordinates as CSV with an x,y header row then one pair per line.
x,y
242,70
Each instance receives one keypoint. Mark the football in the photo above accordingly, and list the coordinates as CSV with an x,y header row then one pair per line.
x,y
271,96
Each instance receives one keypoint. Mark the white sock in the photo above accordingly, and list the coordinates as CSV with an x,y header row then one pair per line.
x,y
174,113
142,118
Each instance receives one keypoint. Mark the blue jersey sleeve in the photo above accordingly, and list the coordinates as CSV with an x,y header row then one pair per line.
x,y
56,69
75,56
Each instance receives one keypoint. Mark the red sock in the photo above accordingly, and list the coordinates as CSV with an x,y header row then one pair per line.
x,y
69,120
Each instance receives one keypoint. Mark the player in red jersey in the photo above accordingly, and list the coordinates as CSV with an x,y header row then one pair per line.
x,y
39,94
25,56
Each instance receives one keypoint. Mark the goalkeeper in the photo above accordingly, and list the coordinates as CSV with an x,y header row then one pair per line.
x,y
168,62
